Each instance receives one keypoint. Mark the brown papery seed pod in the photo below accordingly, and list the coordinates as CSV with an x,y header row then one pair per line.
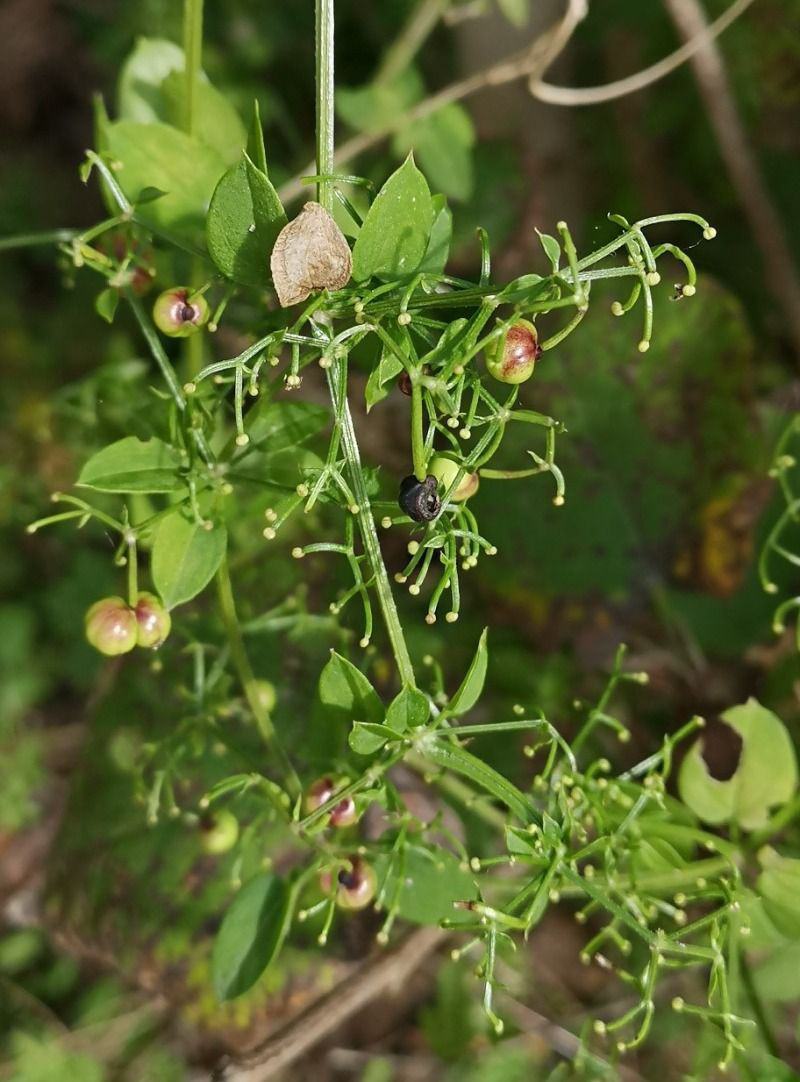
x,y
310,253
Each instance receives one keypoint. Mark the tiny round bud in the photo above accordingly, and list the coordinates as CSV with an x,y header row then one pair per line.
x,y
269,533
513,357
297,553
219,832
617,309
451,617
180,311
111,626
688,291
412,548
445,470
430,617
242,439
344,813
189,388
644,345
653,278
152,620
404,319
414,589
465,433
709,232
386,522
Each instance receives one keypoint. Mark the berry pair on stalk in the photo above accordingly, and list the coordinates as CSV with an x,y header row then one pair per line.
x,y
180,311
113,627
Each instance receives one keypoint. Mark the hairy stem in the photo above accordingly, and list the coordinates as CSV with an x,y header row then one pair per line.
x,y
325,101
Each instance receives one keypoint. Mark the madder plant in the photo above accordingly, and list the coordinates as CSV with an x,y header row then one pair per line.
x,y
193,213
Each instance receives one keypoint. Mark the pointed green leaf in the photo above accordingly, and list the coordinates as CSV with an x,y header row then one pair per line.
x,y
395,234
443,142
408,710
426,883
388,368
217,124
250,936
365,738
133,465
472,685
256,151
105,304
185,557
244,218
552,249
438,251
347,691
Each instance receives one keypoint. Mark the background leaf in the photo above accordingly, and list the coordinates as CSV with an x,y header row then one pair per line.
x,y
250,936
344,689
472,685
394,237
133,465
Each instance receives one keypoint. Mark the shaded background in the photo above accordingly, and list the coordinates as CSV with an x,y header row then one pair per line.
x,y
668,498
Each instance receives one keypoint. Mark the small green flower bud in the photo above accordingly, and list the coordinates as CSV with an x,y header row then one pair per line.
x,y
111,626
445,470
219,832
512,358
153,621
179,312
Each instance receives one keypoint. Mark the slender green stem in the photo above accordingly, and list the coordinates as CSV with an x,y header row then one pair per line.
x,y
31,240
192,51
758,1008
417,435
133,573
325,101
247,678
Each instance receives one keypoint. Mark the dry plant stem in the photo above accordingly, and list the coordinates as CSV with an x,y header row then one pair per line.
x,y
740,161
376,977
530,63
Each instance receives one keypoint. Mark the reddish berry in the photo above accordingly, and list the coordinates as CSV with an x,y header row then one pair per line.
x,y
445,470
513,357
344,814
219,832
319,793
111,626
355,885
153,621
179,312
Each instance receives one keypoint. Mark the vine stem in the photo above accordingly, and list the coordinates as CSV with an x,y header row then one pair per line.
x,y
246,676
366,520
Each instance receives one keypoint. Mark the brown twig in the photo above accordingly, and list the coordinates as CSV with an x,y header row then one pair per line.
x,y
376,977
741,162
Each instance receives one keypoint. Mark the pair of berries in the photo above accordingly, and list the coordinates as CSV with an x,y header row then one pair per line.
x,y
180,311
113,627
343,814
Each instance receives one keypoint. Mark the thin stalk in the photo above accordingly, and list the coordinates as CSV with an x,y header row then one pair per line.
x,y
417,435
192,51
247,678
366,522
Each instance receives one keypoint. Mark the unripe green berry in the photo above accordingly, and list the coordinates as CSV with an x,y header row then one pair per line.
x,y
219,832
512,358
445,470
111,626
179,312
265,693
153,621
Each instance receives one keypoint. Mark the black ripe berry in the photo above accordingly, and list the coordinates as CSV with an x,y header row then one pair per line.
x,y
420,499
